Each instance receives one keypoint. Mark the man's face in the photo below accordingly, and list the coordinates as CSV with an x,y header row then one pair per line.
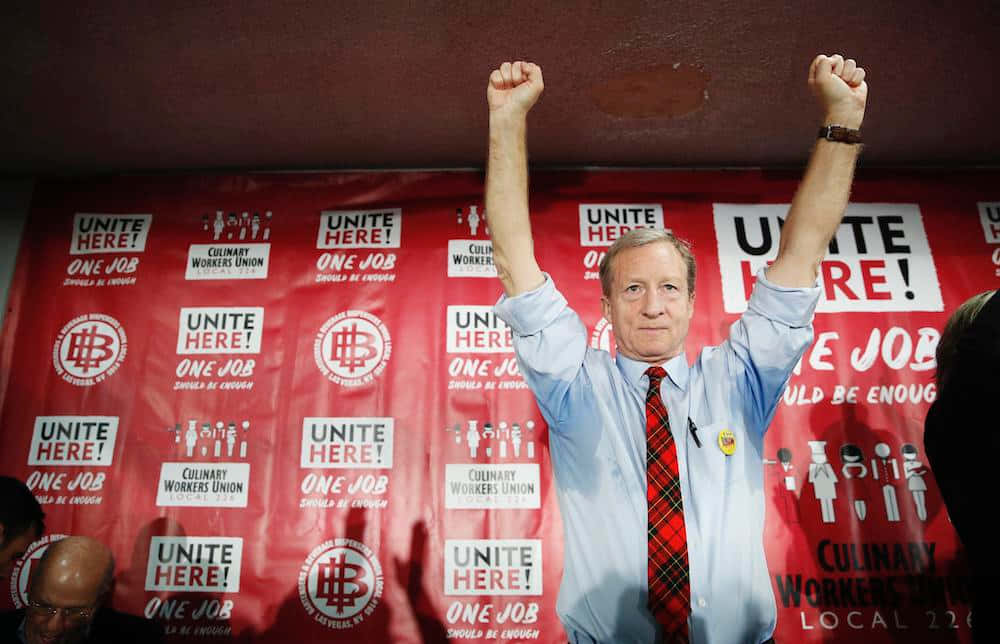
x,y
67,624
13,550
650,305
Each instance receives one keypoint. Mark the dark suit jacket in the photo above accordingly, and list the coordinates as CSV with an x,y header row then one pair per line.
x,y
109,627
962,440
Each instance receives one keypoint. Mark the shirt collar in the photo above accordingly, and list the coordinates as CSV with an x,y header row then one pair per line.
x,y
635,372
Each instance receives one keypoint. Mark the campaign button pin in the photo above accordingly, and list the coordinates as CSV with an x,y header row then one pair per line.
x,y
727,442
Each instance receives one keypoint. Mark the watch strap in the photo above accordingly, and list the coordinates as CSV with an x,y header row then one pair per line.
x,y
840,134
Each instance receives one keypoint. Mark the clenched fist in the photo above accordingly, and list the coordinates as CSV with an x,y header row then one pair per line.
x,y
514,88
840,88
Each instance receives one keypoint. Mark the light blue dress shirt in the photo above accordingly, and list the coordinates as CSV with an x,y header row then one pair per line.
x,y
595,409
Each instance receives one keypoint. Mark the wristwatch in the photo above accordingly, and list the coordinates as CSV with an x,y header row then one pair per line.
x,y
840,134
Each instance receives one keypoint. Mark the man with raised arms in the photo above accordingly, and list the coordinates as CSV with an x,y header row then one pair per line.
x,y
658,463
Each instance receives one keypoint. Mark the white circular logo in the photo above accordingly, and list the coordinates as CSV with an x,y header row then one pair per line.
x,y
340,583
89,349
603,337
352,348
21,574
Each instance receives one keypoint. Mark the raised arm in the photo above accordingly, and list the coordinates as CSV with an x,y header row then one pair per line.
x,y
512,89
839,86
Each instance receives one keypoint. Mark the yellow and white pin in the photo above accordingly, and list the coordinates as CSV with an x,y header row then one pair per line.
x,y
727,442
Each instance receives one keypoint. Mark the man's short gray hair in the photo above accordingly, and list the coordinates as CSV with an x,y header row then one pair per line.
x,y
643,237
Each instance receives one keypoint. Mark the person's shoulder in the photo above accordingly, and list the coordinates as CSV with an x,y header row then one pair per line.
x,y
112,626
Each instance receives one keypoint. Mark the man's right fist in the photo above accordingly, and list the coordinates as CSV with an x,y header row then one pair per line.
x,y
514,88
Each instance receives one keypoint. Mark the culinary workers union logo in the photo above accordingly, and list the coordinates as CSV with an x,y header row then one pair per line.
x,y
21,573
340,583
352,348
89,349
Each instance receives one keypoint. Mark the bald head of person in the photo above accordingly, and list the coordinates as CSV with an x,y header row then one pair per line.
x,y
67,587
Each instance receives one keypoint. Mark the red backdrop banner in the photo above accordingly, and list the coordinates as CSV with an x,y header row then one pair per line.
x,y
286,404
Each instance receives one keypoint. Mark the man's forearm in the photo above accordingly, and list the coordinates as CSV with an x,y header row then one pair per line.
x,y
819,204
507,206
815,213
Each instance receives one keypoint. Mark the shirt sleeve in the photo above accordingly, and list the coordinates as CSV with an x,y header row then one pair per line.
x,y
765,344
550,342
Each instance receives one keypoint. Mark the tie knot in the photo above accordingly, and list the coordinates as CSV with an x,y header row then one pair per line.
x,y
655,376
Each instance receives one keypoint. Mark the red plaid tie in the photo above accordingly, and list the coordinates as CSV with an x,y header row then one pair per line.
x,y
669,588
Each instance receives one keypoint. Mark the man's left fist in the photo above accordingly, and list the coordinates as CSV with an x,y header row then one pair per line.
x,y
839,86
